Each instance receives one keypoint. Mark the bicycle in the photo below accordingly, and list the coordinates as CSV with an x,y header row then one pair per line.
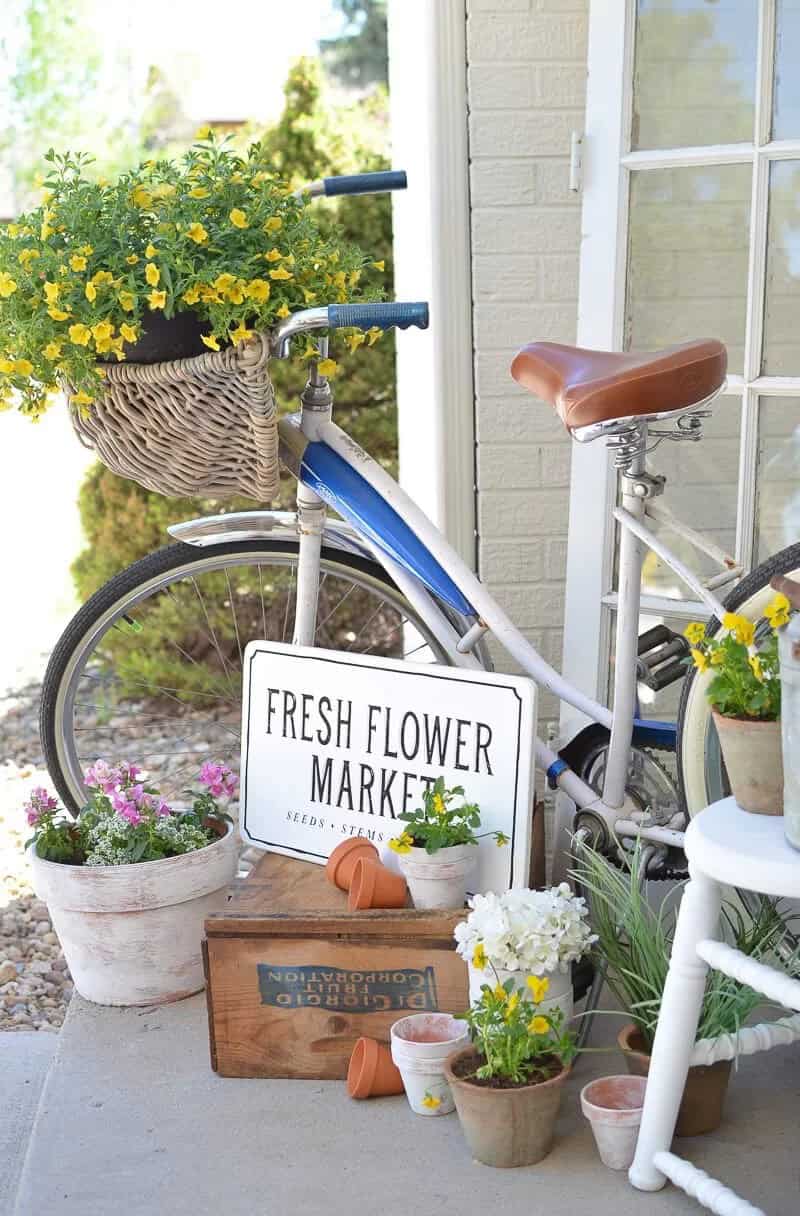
x,y
383,580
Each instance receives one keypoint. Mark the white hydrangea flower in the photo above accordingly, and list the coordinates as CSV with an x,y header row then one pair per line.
x,y
523,930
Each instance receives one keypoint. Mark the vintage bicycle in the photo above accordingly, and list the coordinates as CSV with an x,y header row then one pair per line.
x,y
158,649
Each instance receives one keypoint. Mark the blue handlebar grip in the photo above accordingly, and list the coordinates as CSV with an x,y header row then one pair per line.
x,y
366,183
383,316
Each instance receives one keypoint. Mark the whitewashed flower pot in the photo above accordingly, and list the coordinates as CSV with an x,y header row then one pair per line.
x,y
439,880
132,934
420,1045
613,1106
559,994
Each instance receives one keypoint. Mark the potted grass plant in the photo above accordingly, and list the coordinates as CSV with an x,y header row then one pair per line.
x,y
438,848
507,1083
634,942
129,883
744,688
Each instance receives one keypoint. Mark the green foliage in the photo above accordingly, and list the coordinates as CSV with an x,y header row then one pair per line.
x,y
516,1041
438,824
359,56
746,676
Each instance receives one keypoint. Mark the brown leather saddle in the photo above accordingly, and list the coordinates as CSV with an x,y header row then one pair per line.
x,y
594,386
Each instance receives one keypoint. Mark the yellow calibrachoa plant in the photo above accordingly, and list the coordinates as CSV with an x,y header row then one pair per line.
x,y
216,233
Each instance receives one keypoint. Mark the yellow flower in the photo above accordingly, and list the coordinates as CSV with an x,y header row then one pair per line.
x,y
210,341
103,345
116,346
694,632
152,274
379,265
273,224
163,190
52,351
479,957
223,281
755,666
235,294
7,285
23,367
90,291
128,332
439,807
742,629
157,299
283,311
192,295
238,218
700,659
204,132
197,233
777,611
538,985
79,334
87,249
500,839
141,197
102,277
7,366
402,843
78,261
257,289
150,251
500,993
310,352
717,658
240,334
45,231
198,192
82,398
353,341
431,1103
51,291
373,334
328,367
27,256
132,259
58,314
126,301
511,1006
538,1025
274,255
309,296
13,229
281,273
102,330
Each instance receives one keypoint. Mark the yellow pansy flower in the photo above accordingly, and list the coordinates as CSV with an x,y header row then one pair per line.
x,y
511,1005
51,291
500,993
27,256
439,807
6,366
90,291
23,367
238,218
210,341
132,259
7,285
13,229
283,311
152,274
78,261
379,265
403,843
538,1025
204,132
128,332
52,351
274,255
538,985
141,197
199,192
157,299
281,273
197,233
742,629
192,295
430,1102
79,334
353,341
700,659
479,957
257,289
777,611
240,333
755,666
58,314
82,398
694,632
102,330
126,301
328,367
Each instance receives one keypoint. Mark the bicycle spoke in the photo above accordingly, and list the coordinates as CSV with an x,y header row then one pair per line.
x,y
367,624
214,636
235,622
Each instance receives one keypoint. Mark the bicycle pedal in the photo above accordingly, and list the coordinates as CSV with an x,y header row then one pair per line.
x,y
662,657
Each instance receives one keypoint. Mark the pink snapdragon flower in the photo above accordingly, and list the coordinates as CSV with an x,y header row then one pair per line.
x,y
220,780
39,803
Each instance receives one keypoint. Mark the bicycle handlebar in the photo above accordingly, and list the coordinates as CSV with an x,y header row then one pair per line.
x,y
358,183
344,316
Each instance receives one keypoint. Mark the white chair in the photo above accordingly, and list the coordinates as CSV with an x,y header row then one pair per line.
x,y
725,846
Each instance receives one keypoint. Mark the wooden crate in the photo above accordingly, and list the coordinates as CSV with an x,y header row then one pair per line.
x,y
293,978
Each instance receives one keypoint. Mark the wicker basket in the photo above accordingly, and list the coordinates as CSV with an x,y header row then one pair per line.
x,y
200,426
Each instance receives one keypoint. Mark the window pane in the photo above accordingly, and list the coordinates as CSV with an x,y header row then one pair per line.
x,y
778,517
786,107
695,72
781,356
687,257
701,490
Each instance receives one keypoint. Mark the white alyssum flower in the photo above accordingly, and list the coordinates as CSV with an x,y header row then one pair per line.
x,y
523,930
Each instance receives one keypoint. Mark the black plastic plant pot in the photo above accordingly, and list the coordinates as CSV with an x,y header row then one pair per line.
x,y
166,338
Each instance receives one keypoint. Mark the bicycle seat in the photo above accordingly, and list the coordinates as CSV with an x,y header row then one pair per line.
x,y
587,387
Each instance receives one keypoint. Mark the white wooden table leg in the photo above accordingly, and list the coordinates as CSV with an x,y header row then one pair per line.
x,y
698,918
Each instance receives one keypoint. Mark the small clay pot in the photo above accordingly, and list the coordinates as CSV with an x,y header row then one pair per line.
x,y
374,886
703,1095
613,1106
342,861
754,762
372,1072
505,1127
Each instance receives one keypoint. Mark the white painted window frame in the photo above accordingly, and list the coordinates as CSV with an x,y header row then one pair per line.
x,y
607,165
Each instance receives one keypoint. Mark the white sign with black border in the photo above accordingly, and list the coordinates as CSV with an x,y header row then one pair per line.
x,y
337,745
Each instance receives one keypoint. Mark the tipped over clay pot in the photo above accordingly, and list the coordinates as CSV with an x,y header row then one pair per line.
x,y
374,886
372,1073
342,862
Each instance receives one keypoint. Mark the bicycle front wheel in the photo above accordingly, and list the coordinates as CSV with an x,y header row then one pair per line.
x,y
150,669
701,772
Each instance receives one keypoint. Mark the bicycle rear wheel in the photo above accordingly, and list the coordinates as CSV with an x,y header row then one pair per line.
x,y
150,668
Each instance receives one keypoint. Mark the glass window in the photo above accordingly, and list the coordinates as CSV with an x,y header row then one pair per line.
x,y
786,104
694,73
687,257
781,352
778,515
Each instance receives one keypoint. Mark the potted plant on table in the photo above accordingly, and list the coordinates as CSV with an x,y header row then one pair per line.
x,y
438,848
744,689
524,933
129,883
634,943
507,1084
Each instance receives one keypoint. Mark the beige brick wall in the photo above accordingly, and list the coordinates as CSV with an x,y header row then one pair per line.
x,y
526,82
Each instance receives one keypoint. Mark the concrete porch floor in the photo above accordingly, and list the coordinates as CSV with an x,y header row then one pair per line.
x,y
133,1121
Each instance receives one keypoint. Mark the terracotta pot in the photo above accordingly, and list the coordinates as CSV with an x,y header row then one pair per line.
x,y
613,1106
342,861
374,886
439,880
754,762
505,1127
372,1072
704,1093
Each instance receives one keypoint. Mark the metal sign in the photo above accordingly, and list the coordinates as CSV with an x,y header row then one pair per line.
x,y
337,745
